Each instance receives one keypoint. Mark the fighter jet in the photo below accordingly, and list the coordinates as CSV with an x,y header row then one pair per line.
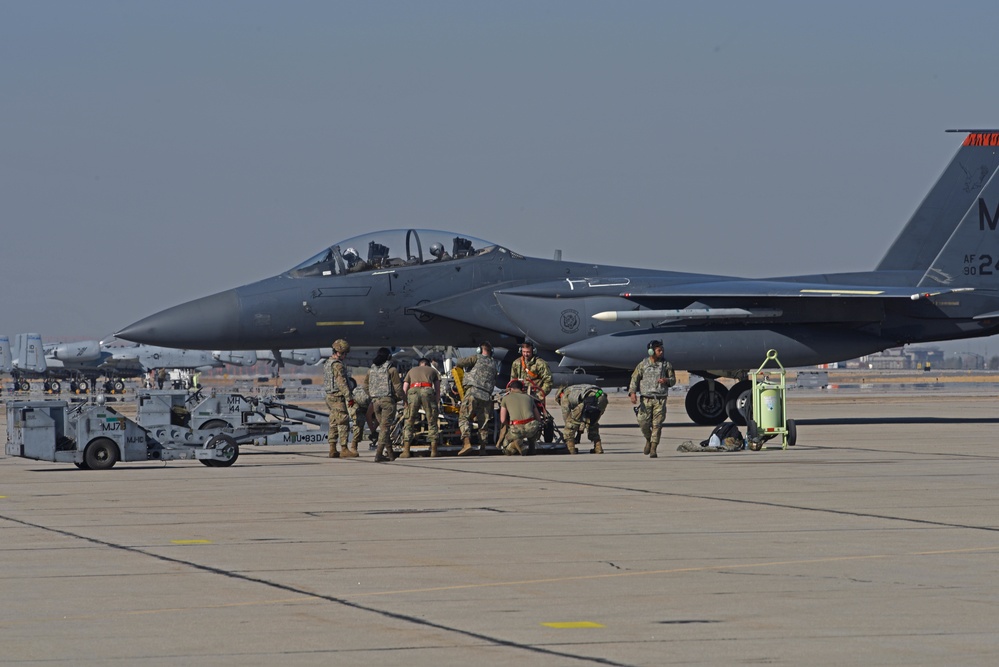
x,y
938,281
139,359
83,362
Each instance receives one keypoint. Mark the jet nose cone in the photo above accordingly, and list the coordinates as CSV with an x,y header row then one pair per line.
x,y
207,323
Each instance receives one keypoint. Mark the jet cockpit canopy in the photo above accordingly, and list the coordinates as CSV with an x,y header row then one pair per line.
x,y
392,248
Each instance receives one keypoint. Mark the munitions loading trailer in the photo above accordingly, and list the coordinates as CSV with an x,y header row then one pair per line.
x,y
96,436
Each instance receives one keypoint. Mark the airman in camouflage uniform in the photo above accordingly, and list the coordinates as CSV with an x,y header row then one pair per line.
x,y
359,415
582,405
533,371
477,403
652,379
519,414
423,390
385,388
338,399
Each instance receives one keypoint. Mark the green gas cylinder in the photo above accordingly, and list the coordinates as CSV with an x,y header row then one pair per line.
x,y
770,409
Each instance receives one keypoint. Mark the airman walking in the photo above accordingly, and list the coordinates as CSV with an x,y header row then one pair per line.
x,y
651,379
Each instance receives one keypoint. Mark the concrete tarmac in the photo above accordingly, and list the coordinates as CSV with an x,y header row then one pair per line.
x,y
874,541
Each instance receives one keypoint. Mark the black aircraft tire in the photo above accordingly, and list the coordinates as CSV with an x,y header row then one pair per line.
x,y
705,407
118,386
101,454
24,385
55,387
83,386
792,433
737,404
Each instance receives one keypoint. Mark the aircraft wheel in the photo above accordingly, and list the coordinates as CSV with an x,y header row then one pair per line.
x,y
55,386
230,450
704,406
83,386
24,385
101,454
792,433
118,386
737,404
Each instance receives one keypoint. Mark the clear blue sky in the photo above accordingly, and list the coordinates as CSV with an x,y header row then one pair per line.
x,y
154,152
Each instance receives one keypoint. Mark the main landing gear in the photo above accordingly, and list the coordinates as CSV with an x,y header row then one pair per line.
x,y
709,402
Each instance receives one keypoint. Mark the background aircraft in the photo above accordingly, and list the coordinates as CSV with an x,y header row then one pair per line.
x,y
83,363
6,361
938,281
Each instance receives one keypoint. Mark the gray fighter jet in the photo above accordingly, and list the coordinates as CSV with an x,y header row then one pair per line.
x,y
938,281
83,362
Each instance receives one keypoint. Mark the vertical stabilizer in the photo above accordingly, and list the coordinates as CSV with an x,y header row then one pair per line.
x,y
947,203
970,255
29,355
6,364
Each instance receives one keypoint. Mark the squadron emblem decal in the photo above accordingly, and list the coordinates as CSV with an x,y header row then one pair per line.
x,y
570,321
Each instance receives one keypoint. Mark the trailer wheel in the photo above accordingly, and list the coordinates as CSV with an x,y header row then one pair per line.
x,y
227,445
82,465
101,454
792,433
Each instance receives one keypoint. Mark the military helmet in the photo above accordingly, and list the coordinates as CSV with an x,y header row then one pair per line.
x,y
341,346
349,253
436,249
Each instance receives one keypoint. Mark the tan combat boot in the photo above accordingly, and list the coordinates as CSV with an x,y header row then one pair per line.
x,y
405,452
466,446
597,448
648,448
571,446
652,450
513,448
433,449
348,453
333,453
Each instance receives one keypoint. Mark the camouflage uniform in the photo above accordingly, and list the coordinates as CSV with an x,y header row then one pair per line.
x,y
478,401
520,408
384,387
573,401
359,414
652,407
535,375
423,382
337,397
